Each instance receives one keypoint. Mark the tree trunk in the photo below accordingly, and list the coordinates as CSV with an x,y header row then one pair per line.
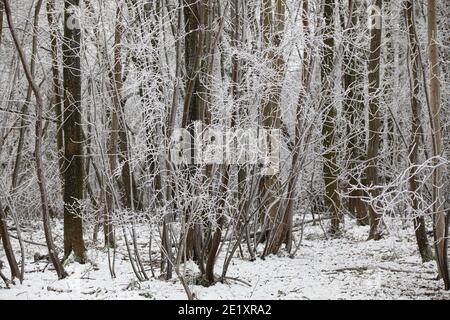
x,y
4,236
73,151
419,221
38,149
217,235
194,20
354,112
330,168
272,120
299,125
116,84
374,124
24,109
1,23
439,215
56,82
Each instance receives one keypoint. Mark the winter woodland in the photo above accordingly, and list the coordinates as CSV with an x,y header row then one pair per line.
x,y
232,149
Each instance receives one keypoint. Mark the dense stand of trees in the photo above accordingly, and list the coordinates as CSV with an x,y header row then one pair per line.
x,y
94,94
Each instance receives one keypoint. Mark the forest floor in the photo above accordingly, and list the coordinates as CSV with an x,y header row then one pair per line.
x,y
345,268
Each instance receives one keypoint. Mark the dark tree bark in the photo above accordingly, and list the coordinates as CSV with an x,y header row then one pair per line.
x,y
299,125
116,86
194,46
330,169
217,235
56,82
4,236
354,112
73,150
440,218
272,120
374,124
270,114
194,20
419,221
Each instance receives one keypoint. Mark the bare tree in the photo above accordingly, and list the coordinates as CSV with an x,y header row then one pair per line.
x,y
330,167
6,241
417,132
374,121
38,149
439,214
57,92
73,148
354,111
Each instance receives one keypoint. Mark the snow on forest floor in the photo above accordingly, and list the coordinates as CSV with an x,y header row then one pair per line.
x,y
345,268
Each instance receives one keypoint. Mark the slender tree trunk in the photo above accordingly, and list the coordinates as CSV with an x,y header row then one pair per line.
x,y
73,150
330,168
217,235
235,36
272,120
214,244
153,15
167,263
38,149
419,221
4,236
354,112
439,215
194,50
240,111
24,109
299,125
56,82
269,187
116,86
1,23
374,125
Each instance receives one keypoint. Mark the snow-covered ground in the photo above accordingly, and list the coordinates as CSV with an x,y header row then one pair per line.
x,y
346,268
